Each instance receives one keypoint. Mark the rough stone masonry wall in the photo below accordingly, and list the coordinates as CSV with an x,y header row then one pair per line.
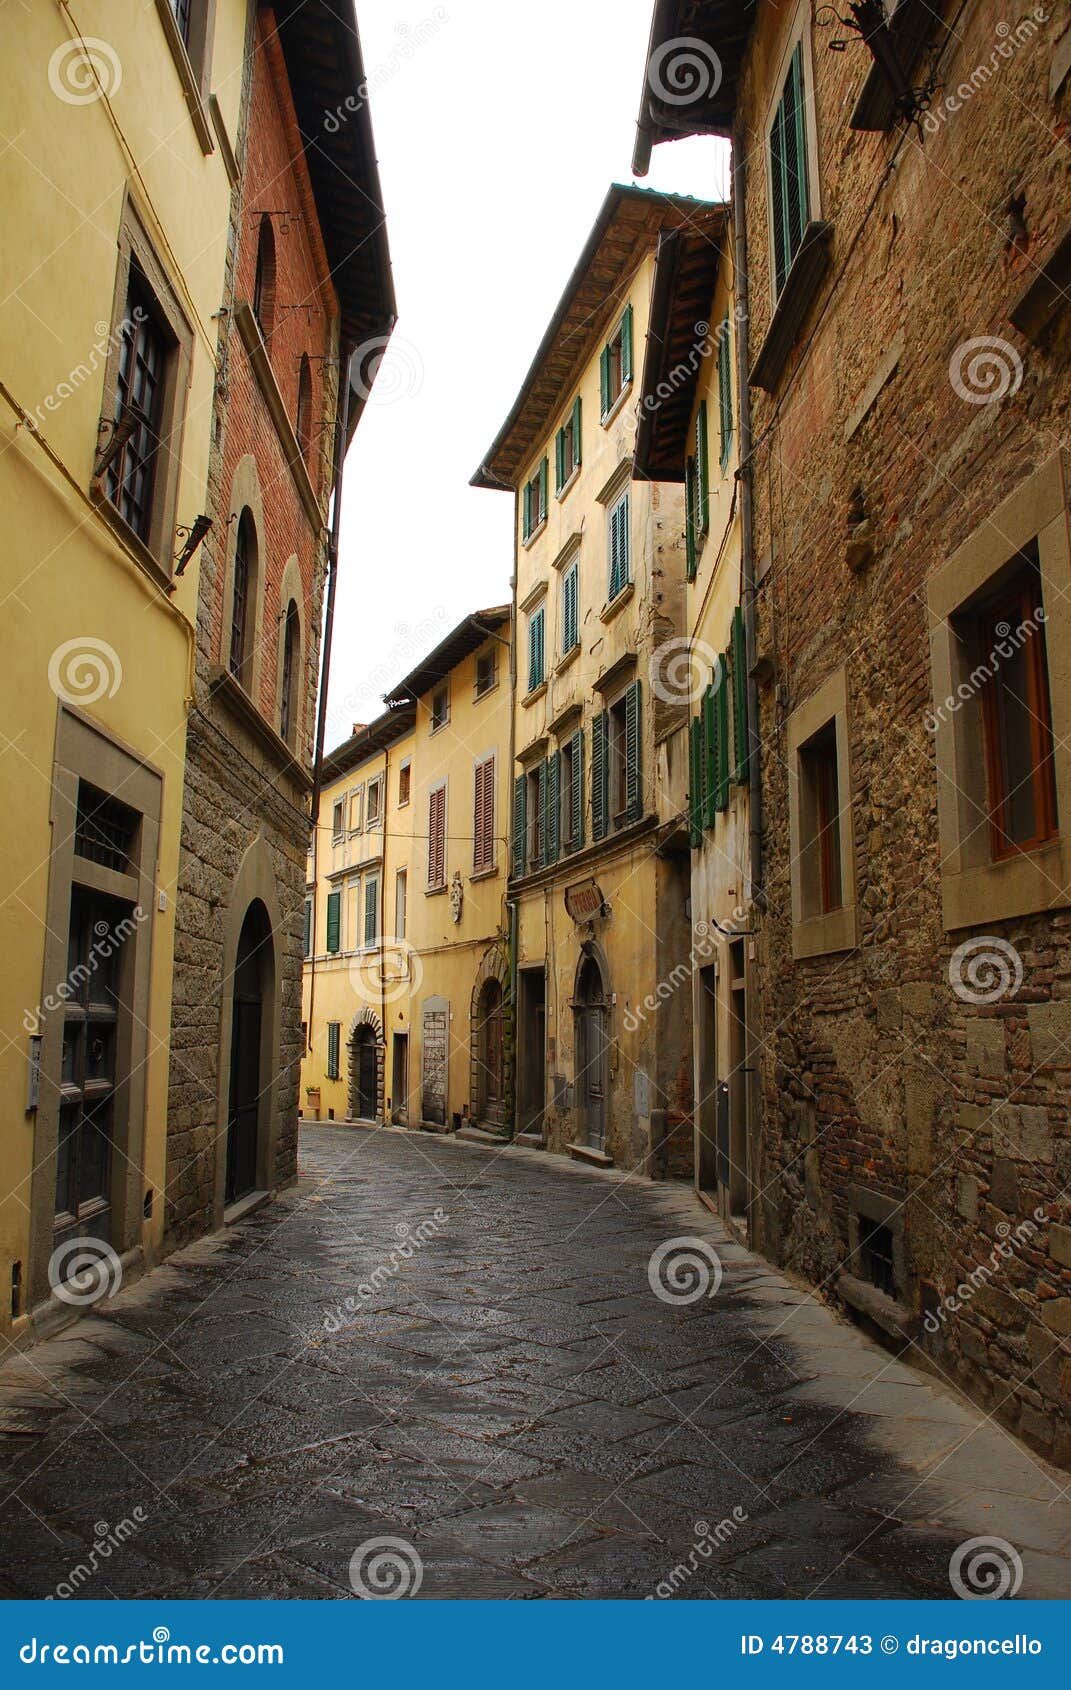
x,y
875,1073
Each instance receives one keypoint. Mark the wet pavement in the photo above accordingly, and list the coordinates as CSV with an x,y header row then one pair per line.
x,y
459,1350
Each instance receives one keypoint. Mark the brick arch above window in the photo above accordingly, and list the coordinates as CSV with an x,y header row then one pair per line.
x,y
245,497
264,278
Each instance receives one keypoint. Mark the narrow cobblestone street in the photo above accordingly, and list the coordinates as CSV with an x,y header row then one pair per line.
x,y
512,1400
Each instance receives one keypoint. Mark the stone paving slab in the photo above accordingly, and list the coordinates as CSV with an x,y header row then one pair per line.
x,y
512,1402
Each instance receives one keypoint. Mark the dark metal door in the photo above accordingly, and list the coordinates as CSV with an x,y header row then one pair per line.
x,y
87,1077
366,1080
244,1098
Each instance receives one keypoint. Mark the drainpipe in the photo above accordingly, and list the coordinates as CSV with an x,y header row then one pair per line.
x,y
342,428
382,929
512,907
747,540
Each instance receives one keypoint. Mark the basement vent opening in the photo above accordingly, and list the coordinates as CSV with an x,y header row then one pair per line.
x,y
876,1255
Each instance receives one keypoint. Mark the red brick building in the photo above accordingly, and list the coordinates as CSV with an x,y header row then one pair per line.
x,y
310,285
903,243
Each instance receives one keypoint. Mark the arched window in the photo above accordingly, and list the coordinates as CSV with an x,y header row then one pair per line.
x,y
288,702
264,282
304,406
243,603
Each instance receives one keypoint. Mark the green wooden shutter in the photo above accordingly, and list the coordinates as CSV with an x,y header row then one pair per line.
x,y
702,470
619,547
788,171
577,453
554,807
578,789
626,345
520,823
695,789
526,510
689,519
721,728
709,750
308,927
559,460
541,816
333,1029
740,726
544,477
334,921
371,898
633,754
604,380
536,670
600,774
725,393
570,609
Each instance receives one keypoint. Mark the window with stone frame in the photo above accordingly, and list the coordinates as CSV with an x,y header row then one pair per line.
x,y
819,784
822,878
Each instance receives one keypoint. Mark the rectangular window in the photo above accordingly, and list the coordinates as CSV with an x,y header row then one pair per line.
x,y
725,393
536,805
536,671
405,776
571,608
334,1030
483,820
623,776
181,9
567,448
620,546
534,502
338,821
440,709
486,672
1016,716
138,412
356,809
820,863
789,193
401,895
334,923
566,817
437,838
615,364
371,909
375,800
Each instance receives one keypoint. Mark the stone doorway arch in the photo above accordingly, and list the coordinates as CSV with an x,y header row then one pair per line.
x,y
491,1043
366,1048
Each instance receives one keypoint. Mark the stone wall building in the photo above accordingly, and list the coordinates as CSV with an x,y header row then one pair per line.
x,y
909,484
309,285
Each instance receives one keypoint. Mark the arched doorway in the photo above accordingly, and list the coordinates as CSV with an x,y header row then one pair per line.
x,y
490,1044
364,1074
591,1013
253,972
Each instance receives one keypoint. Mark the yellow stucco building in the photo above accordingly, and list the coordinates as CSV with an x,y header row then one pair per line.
x,y
689,433
600,869
117,178
406,990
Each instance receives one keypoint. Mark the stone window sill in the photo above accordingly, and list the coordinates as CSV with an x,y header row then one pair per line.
x,y
567,659
797,296
536,692
617,404
617,604
567,485
534,535
824,935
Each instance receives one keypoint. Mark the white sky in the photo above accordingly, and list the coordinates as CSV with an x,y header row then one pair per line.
x,y
498,137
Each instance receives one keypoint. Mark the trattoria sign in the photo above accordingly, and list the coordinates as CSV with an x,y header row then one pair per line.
x,y
584,901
